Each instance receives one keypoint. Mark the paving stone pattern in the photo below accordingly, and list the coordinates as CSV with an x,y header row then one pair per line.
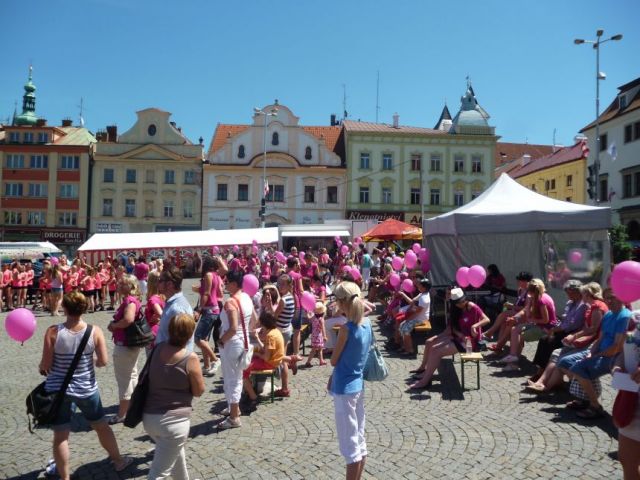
x,y
496,432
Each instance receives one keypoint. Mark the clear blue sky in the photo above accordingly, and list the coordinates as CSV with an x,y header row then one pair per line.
x,y
210,61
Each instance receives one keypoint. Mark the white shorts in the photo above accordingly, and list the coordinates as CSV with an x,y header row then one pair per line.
x,y
350,421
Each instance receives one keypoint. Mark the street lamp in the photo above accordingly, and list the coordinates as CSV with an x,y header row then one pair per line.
x,y
263,207
599,76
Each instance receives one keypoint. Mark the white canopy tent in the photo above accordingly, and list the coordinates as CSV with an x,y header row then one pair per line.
x,y
518,229
27,250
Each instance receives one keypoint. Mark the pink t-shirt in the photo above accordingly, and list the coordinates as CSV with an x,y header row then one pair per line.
x,y
97,282
150,314
6,278
141,271
469,317
119,337
88,284
547,302
30,274
324,259
265,270
212,301
309,271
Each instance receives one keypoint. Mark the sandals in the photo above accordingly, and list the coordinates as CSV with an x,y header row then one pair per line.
x,y
591,413
578,404
417,371
115,419
126,461
535,388
228,423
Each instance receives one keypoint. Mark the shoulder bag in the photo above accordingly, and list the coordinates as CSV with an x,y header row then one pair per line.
x,y
375,368
139,333
43,406
139,395
245,358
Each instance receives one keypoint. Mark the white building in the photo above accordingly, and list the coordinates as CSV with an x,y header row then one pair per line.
x,y
304,171
620,156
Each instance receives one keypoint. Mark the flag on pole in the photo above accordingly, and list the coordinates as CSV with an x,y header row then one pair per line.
x,y
266,187
612,151
585,149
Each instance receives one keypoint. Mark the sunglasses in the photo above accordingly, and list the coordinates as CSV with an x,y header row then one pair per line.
x,y
318,315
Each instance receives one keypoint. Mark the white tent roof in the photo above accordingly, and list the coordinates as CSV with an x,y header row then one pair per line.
x,y
507,206
27,249
159,240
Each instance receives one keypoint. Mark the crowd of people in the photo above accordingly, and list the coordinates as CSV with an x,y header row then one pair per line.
x,y
581,343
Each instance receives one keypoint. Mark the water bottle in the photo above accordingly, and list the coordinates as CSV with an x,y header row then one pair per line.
x,y
468,345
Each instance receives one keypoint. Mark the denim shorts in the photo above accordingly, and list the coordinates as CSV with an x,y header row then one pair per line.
x,y
568,361
91,408
593,367
205,325
296,322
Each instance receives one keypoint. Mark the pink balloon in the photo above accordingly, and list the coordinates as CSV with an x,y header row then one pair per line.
x,y
250,285
425,265
397,263
423,254
477,275
416,247
55,260
410,259
357,240
355,273
394,280
336,238
236,248
301,255
625,281
461,277
255,242
339,243
280,257
344,249
308,301
254,249
575,256
407,285
215,250
20,324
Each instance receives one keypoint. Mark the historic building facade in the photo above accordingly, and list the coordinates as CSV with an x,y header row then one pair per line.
x,y
386,163
45,178
304,172
619,180
146,180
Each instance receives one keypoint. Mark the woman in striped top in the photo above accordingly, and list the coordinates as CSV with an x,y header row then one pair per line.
x,y
60,345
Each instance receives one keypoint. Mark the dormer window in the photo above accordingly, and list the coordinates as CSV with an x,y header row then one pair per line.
x,y
307,153
241,151
623,101
275,139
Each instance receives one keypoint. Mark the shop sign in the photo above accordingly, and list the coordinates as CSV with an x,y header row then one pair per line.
x,y
413,219
373,215
103,227
63,237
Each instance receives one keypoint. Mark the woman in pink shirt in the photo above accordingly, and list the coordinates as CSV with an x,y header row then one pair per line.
x,y
97,289
155,306
20,284
87,285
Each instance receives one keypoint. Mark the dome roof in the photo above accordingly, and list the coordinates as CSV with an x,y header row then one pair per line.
x,y
472,118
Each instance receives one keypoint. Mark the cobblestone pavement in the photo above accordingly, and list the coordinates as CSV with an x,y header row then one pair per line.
x,y
494,432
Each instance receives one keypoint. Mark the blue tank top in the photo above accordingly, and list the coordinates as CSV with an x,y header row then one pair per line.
x,y
347,375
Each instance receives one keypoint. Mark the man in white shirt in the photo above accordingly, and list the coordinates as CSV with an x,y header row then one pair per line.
x,y
419,312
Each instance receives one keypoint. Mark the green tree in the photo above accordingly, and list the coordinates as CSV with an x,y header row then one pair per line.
x,y
622,249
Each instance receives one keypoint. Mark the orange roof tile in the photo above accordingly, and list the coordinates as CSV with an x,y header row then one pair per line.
x,y
614,110
515,169
353,126
224,131
506,152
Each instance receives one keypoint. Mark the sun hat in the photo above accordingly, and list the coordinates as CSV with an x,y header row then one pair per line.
x,y
457,294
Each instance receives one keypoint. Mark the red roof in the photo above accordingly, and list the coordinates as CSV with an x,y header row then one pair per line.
x,y
562,155
506,152
614,109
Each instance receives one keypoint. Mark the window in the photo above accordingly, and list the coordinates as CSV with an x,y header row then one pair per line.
x,y
533,187
553,184
43,137
476,164
189,177
636,130
69,162
387,161
475,195
309,194
568,199
169,177
13,218
68,190
332,194
168,209
622,101
627,185
243,192
37,189
416,162
107,175
603,142
36,218
386,195
458,163
187,209
276,193
14,137
12,189
130,175
364,194
152,130
15,161
307,153
130,207
39,161
27,137
415,196
628,133
241,151
67,219
458,199
275,139
107,207
364,161
435,196
222,192
636,190
148,209
546,185
604,189
150,176
569,180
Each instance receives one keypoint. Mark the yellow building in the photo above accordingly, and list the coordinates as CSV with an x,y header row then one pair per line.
x,y
560,175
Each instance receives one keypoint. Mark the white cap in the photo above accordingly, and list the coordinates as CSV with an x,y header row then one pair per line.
x,y
456,294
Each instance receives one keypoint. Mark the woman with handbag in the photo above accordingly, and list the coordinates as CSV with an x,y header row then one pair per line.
x,y
346,384
234,343
175,377
125,357
61,342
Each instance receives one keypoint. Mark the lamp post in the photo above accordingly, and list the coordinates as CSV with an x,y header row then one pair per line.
x,y
599,76
263,206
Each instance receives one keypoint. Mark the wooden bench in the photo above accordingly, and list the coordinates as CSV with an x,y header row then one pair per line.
x,y
475,357
304,334
266,373
424,328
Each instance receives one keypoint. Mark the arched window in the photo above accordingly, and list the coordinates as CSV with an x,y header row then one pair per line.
x,y
275,139
241,151
307,153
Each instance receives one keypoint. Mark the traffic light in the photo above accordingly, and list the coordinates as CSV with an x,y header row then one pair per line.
x,y
263,209
591,182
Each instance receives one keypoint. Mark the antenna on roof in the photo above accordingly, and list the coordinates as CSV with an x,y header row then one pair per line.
x,y
344,102
554,141
81,107
378,96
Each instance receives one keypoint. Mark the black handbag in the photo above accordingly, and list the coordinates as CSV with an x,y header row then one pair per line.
x,y
139,333
43,406
139,396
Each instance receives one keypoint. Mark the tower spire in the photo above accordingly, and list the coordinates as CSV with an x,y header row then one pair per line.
x,y
28,115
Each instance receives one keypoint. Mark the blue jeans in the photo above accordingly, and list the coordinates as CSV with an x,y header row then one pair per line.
x,y
593,367
91,408
568,361
206,324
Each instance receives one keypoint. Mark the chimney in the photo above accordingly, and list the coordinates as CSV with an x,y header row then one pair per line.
x,y
526,158
333,119
580,138
41,122
112,133
66,122
101,136
396,119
